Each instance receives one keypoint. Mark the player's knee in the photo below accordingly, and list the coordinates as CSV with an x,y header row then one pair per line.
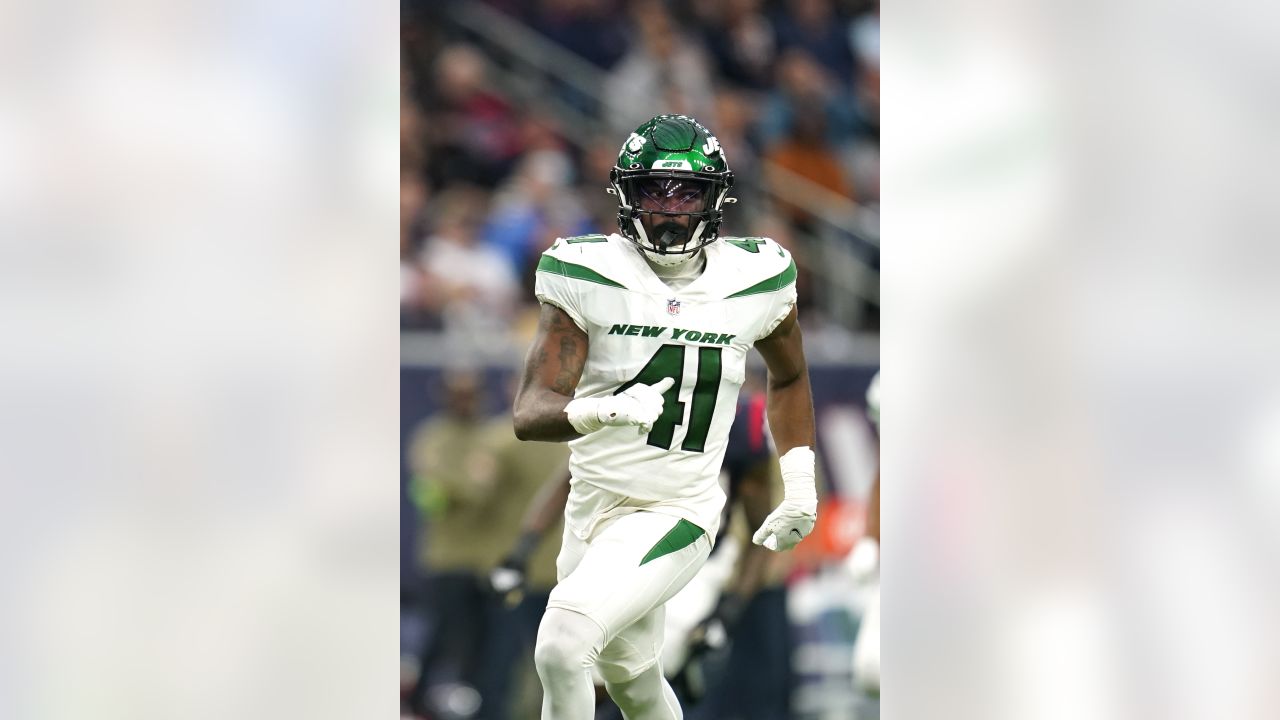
x,y
627,694
631,691
566,642
553,655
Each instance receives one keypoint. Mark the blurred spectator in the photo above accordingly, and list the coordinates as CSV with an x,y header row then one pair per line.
x,y
803,86
413,197
413,152
813,25
418,298
523,470
452,478
806,152
597,161
591,29
734,119
863,159
864,37
742,41
473,481
474,133
535,206
472,284
666,71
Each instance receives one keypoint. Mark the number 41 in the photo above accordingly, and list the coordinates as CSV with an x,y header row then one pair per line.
x,y
668,362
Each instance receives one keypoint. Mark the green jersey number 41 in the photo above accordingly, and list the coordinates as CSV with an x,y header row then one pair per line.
x,y
668,362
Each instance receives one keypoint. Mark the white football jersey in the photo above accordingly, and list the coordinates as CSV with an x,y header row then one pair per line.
x,y
641,331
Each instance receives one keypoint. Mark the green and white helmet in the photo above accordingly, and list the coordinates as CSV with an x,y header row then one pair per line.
x,y
671,167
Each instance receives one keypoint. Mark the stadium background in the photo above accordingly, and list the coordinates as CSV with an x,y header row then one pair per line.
x,y
511,115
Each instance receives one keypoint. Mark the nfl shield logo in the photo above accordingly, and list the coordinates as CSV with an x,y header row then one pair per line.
x,y
673,307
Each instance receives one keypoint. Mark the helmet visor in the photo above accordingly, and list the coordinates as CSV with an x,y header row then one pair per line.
x,y
670,195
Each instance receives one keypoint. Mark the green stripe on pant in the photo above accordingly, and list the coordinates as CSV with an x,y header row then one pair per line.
x,y
680,537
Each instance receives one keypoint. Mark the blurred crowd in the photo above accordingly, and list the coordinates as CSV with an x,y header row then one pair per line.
x,y
489,180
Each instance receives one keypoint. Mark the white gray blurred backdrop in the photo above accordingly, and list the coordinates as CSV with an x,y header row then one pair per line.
x,y
1080,433
198,353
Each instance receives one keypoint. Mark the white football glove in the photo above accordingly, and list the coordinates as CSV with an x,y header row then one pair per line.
x,y
863,562
639,405
791,521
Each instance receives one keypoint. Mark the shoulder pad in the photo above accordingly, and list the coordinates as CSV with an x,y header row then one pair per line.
x,y
760,265
593,258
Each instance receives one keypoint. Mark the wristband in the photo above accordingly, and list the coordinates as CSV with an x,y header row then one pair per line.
x,y
797,474
584,415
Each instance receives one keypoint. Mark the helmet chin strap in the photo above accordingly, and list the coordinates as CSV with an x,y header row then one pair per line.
x,y
674,259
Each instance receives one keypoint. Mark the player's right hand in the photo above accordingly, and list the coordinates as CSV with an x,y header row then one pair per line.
x,y
639,406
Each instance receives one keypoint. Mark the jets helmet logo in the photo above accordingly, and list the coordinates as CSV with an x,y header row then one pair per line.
x,y
634,143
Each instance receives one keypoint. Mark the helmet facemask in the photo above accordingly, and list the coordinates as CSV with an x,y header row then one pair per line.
x,y
669,216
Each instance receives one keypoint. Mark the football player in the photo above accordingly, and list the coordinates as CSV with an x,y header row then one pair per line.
x,y
701,617
863,564
639,354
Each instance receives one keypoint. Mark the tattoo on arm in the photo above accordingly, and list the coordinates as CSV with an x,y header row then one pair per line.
x,y
549,381
570,366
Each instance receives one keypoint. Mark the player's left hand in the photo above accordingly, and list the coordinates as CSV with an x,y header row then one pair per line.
x,y
793,520
787,525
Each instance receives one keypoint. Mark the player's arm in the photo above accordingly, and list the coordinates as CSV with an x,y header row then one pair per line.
x,y
790,412
551,373
545,407
547,505
790,404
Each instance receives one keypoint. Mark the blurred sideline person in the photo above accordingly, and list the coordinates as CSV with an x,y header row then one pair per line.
x,y
864,565
449,484
522,471
704,616
639,354
473,479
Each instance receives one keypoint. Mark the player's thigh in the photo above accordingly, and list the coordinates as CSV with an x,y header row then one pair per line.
x,y
634,649
697,600
572,548
633,565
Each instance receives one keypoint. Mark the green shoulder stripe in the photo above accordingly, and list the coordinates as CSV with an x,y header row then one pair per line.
x,y
680,537
560,267
777,282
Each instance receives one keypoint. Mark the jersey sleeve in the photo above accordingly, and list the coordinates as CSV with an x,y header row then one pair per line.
x,y
556,289
783,298
783,301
